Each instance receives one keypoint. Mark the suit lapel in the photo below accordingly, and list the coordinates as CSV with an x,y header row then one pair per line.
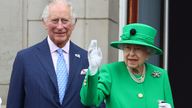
x,y
43,53
74,61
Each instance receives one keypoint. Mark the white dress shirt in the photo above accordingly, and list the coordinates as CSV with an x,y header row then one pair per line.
x,y
54,54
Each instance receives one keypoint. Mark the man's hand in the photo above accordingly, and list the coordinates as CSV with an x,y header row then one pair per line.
x,y
94,57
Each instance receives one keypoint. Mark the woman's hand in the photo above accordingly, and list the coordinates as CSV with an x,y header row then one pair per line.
x,y
94,57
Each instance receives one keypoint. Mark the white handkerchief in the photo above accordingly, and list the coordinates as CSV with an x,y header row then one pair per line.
x,y
84,71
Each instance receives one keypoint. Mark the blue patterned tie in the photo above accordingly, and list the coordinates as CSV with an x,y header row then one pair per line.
x,y
62,75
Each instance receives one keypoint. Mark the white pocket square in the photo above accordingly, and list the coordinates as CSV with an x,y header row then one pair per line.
x,y
84,71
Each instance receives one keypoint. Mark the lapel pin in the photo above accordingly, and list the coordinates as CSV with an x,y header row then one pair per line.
x,y
77,55
156,74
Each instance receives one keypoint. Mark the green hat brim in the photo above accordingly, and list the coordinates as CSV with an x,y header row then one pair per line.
x,y
155,49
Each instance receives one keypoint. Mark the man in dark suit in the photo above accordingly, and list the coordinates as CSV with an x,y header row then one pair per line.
x,y
33,82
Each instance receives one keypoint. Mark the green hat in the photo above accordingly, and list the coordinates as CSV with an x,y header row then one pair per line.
x,y
138,34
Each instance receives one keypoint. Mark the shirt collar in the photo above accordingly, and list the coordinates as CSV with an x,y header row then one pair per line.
x,y
54,47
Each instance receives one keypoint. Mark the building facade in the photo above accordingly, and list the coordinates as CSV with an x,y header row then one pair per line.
x,y
21,27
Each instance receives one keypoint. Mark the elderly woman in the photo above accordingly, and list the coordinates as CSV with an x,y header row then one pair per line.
x,y
132,83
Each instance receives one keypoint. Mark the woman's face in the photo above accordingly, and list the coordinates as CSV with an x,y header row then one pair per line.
x,y
135,55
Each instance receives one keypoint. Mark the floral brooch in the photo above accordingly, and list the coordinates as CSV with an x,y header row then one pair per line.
x,y
156,74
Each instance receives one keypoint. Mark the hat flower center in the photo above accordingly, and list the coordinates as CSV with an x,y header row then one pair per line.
x,y
132,32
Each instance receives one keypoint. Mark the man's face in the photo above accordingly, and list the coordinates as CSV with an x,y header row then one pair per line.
x,y
59,23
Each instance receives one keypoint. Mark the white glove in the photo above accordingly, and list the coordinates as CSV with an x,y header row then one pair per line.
x,y
94,57
0,102
164,105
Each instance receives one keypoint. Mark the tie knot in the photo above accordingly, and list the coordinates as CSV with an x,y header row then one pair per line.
x,y
60,51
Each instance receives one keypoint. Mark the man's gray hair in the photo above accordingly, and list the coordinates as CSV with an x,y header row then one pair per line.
x,y
45,13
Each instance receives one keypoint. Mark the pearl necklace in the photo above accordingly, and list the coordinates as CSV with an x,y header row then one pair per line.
x,y
140,79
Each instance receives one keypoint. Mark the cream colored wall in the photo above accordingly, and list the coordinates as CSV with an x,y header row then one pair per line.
x,y
10,39
20,27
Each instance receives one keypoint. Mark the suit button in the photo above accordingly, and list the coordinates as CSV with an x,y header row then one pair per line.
x,y
85,82
140,95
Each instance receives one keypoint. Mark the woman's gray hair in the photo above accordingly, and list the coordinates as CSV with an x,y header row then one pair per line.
x,y
45,13
150,51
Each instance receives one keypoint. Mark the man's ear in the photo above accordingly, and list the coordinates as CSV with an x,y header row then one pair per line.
x,y
73,27
44,23
74,24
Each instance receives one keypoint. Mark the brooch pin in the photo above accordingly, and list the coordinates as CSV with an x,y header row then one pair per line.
x,y
156,74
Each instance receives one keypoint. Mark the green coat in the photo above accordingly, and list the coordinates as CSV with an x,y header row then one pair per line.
x,y
116,87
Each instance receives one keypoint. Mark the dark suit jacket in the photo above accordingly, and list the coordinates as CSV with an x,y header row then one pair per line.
x,y
33,81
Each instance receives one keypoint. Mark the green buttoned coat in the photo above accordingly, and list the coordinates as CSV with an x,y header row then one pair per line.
x,y
114,85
